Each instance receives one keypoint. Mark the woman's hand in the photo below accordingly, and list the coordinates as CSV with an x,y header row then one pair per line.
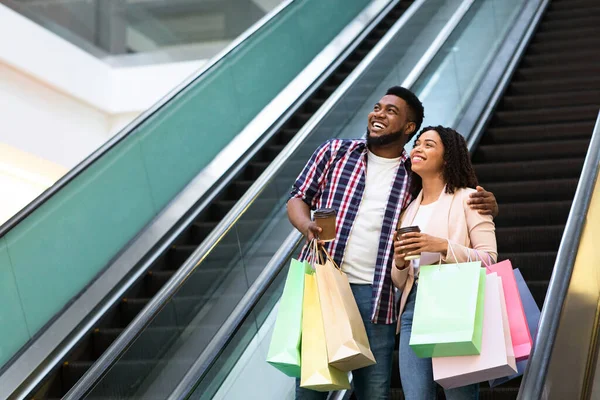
x,y
399,260
416,243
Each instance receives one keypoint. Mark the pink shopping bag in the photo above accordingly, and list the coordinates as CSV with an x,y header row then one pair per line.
x,y
497,358
517,319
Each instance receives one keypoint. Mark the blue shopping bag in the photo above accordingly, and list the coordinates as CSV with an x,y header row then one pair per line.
x,y
532,312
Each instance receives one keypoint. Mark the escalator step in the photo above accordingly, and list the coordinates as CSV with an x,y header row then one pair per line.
x,y
179,254
546,115
531,151
272,151
576,98
529,239
239,187
155,280
573,13
284,136
130,308
554,85
244,229
539,132
529,170
571,34
588,68
563,58
521,191
72,371
571,4
534,213
557,46
558,25
102,338
536,266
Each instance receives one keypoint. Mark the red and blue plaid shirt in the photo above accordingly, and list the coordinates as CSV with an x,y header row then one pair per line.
x,y
334,177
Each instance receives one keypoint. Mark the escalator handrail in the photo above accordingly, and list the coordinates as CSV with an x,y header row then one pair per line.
x,y
233,323
136,327
138,121
532,385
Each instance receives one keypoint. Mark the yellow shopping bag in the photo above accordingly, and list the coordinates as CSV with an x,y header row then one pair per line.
x,y
316,373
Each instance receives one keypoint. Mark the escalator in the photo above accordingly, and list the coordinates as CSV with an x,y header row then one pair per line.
x,y
508,159
530,156
531,153
113,323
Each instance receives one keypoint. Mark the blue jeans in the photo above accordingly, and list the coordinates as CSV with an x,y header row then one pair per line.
x,y
372,382
416,373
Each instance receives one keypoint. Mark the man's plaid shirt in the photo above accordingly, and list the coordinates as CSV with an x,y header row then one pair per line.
x,y
334,177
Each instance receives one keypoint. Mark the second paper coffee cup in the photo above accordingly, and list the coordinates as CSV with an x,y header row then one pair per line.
x,y
408,229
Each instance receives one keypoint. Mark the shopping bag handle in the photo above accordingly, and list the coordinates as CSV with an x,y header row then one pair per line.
x,y
487,266
328,257
452,251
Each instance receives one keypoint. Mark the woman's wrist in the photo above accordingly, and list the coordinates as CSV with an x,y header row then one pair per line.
x,y
443,247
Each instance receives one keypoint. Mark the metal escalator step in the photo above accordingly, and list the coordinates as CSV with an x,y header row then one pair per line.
x,y
573,13
102,338
587,68
571,34
529,239
546,115
286,135
563,99
543,212
529,170
224,252
535,266
567,84
244,228
531,151
559,25
565,5
522,191
538,132
566,57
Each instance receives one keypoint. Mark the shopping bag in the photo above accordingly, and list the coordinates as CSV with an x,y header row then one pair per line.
x,y
284,349
497,358
316,373
347,343
519,330
448,316
532,311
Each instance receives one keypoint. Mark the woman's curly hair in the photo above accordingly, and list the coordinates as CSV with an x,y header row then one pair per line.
x,y
458,171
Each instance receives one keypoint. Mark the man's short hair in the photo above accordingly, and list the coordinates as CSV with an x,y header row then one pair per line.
x,y
416,113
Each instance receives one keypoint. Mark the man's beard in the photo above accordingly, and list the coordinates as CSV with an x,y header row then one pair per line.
x,y
384,140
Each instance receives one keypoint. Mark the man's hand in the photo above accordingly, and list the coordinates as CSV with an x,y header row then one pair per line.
x,y
312,232
484,202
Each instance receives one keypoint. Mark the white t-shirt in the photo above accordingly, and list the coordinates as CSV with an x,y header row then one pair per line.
x,y
363,243
421,220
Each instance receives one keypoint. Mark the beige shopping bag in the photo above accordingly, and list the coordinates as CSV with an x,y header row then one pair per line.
x,y
347,343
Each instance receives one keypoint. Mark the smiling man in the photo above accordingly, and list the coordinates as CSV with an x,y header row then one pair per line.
x,y
367,183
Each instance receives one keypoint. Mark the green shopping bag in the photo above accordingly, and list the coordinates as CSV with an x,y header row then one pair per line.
x,y
284,350
448,316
